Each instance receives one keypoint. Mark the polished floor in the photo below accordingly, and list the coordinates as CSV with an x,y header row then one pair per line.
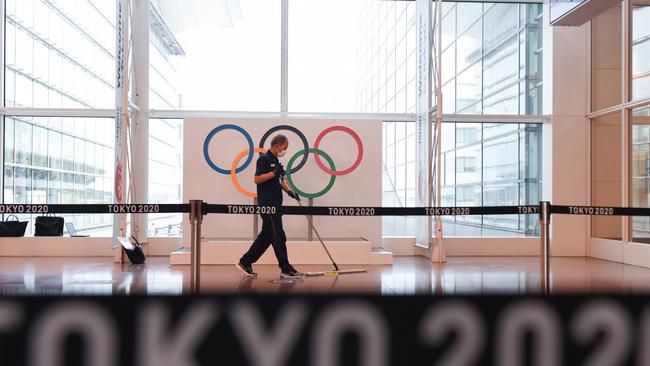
x,y
408,275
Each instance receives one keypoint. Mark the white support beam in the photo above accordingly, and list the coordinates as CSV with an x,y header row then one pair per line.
x,y
284,58
496,1
478,118
438,253
58,112
614,109
423,230
2,103
139,142
182,114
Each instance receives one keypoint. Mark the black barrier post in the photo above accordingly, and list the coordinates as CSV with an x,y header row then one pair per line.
x,y
544,243
196,219
310,232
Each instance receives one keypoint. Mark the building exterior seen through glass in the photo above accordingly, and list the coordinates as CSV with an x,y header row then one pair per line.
x,y
491,65
62,55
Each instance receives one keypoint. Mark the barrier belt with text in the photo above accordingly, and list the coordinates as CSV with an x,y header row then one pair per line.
x,y
237,209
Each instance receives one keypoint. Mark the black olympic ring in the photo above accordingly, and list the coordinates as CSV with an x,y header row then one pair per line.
x,y
302,137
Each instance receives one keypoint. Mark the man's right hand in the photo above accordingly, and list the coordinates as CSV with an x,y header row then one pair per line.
x,y
293,195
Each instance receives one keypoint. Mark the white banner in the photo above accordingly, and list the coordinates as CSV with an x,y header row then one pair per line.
x,y
213,146
423,128
121,115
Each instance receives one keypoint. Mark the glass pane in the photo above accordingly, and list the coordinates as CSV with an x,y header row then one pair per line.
x,y
505,194
468,93
46,40
606,174
56,166
468,165
8,185
501,23
448,64
398,174
487,164
468,133
491,61
361,62
449,97
640,51
501,159
640,172
23,144
501,67
448,25
10,139
469,13
223,55
468,47
504,102
165,173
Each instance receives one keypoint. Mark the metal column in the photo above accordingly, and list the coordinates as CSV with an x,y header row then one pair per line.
x,y
544,244
196,219
310,230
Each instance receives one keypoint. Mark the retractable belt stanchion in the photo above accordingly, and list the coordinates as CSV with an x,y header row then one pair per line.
x,y
310,231
196,219
544,243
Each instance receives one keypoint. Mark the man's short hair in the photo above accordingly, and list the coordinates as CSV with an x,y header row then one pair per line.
x,y
279,139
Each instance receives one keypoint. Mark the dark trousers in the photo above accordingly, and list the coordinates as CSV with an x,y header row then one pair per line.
x,y
272,234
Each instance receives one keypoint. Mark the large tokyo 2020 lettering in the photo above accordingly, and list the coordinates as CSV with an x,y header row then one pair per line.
x,y
249,152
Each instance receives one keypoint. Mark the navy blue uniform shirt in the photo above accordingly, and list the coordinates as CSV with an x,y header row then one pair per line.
x,y
269,193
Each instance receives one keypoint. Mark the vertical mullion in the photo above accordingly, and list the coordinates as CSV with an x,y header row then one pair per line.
x,y
284,58
626,43
2,101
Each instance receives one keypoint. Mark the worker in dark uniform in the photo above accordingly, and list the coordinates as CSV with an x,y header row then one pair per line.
x,y
269,178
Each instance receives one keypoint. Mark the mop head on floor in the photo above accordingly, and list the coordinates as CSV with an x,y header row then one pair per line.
x,y
335,273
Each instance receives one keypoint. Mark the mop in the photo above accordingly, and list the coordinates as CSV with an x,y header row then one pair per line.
x,y
337,271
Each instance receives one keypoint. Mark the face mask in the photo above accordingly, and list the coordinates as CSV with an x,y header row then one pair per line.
x,y
282,153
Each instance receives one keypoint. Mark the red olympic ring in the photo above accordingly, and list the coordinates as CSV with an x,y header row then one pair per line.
x,y
359,148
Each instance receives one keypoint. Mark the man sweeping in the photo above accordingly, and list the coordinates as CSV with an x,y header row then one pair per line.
x,y
269,178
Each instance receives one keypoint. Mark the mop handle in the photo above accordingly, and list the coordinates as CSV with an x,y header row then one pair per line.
x,y
319,238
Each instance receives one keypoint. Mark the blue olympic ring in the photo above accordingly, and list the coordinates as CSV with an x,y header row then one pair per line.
x,y
206,144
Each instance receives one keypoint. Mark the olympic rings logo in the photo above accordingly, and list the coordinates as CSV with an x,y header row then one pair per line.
x,y
291,169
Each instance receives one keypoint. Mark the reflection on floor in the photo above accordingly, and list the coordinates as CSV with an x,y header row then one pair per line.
x,y
408,275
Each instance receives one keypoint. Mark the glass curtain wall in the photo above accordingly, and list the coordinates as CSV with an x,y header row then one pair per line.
x,y
640,50
491,58
640,170
398,175
491,64
386,84
491,164
224,55
165,135
60,55
386,57
640,117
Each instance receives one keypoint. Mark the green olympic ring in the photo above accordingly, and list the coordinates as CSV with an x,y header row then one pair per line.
x,y
311,195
